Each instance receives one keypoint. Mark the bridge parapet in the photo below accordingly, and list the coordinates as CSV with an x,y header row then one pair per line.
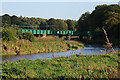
x,y
61,32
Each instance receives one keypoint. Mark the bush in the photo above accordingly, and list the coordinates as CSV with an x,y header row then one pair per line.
x,y
8,34
29,36
19,34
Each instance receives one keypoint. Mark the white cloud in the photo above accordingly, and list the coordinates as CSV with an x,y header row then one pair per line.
x,y
60,0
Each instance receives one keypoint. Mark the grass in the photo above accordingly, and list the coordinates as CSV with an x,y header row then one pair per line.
x,y
40,45
76,66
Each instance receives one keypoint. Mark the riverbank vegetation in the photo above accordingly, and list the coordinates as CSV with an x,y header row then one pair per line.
x,y
39,45
73,67
17,43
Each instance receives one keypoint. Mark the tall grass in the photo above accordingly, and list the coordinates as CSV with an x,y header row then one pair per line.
x,y
39,45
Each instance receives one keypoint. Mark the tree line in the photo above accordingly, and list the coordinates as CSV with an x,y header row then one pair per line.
x,y
107,16
53,24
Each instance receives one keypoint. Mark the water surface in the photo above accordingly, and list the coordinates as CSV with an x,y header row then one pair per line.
x,y
87,50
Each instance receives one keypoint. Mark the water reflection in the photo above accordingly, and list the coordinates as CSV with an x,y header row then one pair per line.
x,y
87,50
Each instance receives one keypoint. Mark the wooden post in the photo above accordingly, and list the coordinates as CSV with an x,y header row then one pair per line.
x,y
108,42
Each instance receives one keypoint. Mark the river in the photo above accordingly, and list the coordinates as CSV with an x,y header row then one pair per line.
x,y
87,50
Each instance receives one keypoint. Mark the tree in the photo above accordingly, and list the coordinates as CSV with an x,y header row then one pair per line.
x,y
83,22
9,34
103,15
109,17
43,23
15,20
52,23
6,19
112,19
61,25
71,24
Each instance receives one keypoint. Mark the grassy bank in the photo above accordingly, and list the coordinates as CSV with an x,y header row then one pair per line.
x,y
40,45
99,40
76,66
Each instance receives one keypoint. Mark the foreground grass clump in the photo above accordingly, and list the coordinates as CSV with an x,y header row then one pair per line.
x,y
77,66
39,45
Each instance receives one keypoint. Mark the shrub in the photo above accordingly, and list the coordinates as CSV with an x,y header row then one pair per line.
x,y
19,34
8,34
29,36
